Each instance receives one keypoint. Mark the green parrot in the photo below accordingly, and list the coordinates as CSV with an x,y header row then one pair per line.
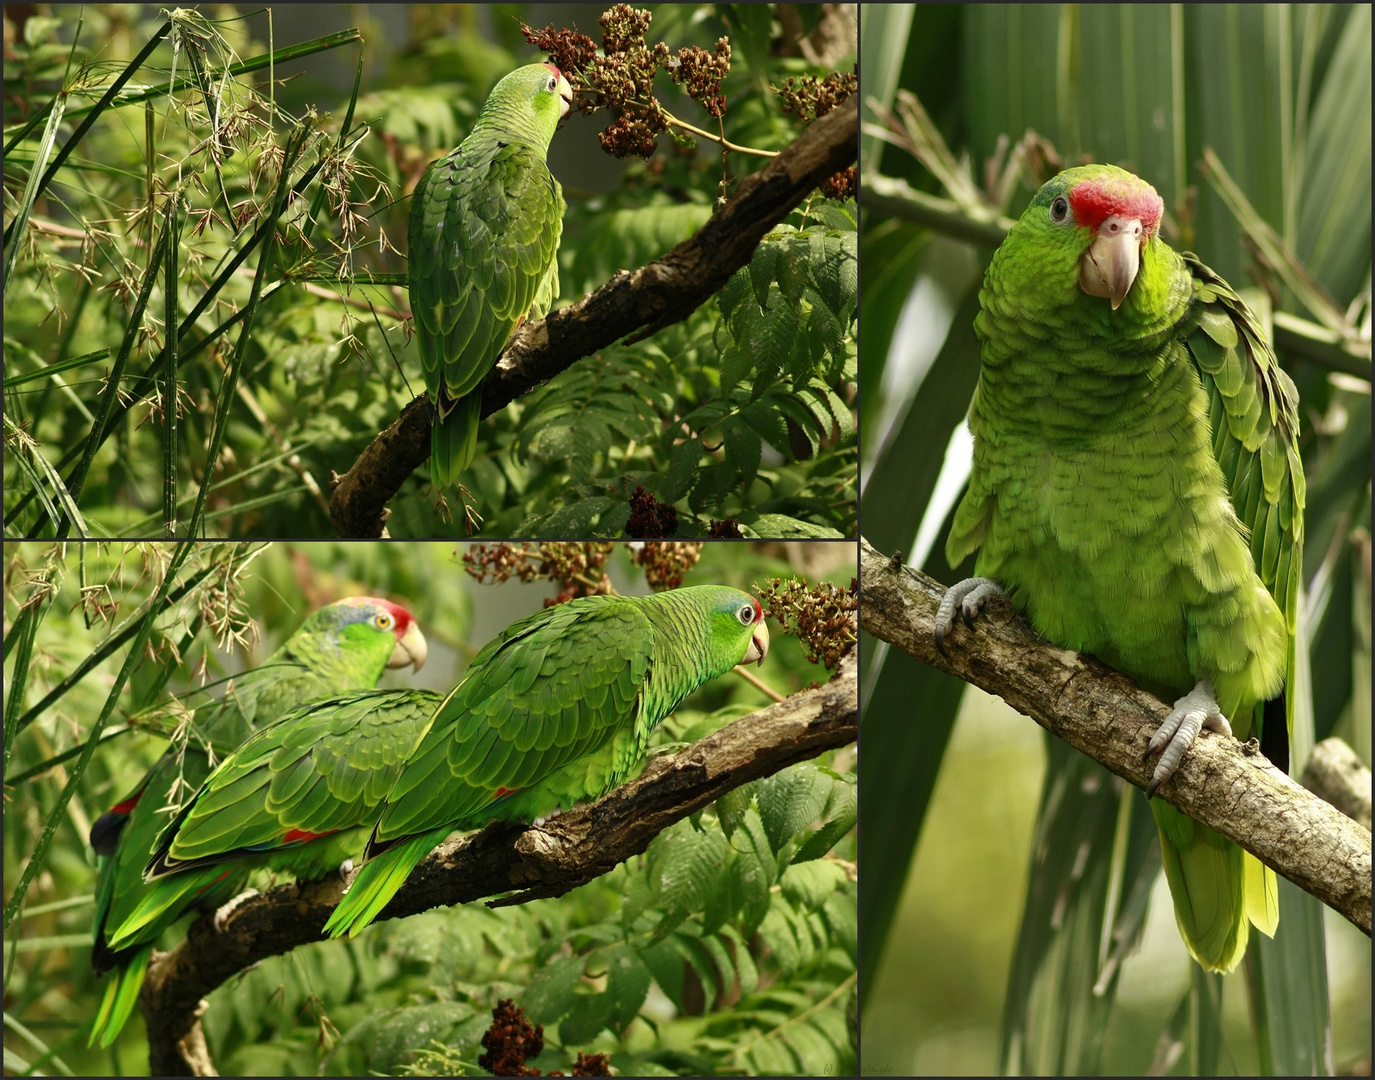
x,y
484,235
345,644
1137,491
300,796
556,710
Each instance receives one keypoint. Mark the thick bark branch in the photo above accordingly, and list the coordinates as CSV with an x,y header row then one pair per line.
x,y
1223,783
1336,774
540,861
666,291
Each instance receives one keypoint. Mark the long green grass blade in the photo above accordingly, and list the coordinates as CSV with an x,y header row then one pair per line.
x,y
14,234
170,385
23,377
13,1024
41,475
156,605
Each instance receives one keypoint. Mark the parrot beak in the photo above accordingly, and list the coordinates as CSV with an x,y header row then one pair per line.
x,y
759,645
1108,268
411,649
565,98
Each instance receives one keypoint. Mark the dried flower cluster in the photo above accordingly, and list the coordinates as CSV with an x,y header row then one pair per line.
x,y
579,568
824,617
810,97
622,77
665,563
729,529
510,1042
843,185
649,517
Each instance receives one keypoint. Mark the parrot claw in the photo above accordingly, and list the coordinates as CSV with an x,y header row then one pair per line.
x,y
345,869
1192,713
223,912
969,596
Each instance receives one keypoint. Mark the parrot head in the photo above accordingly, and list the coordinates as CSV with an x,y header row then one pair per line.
x,y
736,620
373,617
532,98
1090,227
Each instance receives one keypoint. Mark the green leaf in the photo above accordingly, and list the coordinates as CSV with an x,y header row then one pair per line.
x,y
550,993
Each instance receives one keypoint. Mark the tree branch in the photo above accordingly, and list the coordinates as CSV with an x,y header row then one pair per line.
x,y
540,861
646,300
1227,785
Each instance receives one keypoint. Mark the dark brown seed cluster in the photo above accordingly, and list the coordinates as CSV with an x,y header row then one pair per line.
x,y
579,567
700,73
810,97
665,563
824,617
843,185
510,1042
724,530
569,50
649,517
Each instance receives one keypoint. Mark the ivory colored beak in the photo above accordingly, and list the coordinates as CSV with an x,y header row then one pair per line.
x,y
1109,267
565,97
759,645
411,649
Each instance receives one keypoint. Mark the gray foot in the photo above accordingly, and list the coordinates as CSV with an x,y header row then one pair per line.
x,y
345,869
969,596
1192,713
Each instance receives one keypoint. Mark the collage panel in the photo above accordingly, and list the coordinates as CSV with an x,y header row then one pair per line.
x,y
264,789
538,271
1110,477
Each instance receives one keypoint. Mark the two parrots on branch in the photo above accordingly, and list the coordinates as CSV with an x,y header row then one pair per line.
x,y
1138,494
554,711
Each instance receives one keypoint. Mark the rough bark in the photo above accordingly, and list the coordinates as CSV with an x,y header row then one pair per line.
x,y
1223,783
539,861
666,291
1336,774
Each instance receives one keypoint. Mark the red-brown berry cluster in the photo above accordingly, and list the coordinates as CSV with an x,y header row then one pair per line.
x,y
700,73
810,97
635,133
570,51
579,567
843,185
649,517
511,1041
824,617
724,530
665,563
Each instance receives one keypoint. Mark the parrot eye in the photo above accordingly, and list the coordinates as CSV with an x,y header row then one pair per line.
x,y
552,84
746,615
1059,209
382,622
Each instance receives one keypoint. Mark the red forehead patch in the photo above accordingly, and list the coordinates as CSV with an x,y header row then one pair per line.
x,y
1094,201
554,69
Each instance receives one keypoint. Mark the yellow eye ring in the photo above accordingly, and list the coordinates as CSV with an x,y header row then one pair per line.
x,y
382,622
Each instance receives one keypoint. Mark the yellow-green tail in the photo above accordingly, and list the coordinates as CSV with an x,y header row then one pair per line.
x,y
1218,889
176,891
453,440
377,883
121,995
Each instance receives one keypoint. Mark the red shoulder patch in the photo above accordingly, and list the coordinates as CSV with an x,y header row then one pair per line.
x,y
300,836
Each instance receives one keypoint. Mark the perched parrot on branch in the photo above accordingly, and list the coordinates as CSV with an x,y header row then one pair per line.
x,y
484,235
345,645
1137,491
555,711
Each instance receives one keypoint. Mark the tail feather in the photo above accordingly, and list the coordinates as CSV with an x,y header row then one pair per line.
x,y
1262,895
1208,883
377,883
453,440
168,896
121,995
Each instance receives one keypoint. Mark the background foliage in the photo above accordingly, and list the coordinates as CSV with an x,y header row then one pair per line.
x,y
179,187
729,946
1058,892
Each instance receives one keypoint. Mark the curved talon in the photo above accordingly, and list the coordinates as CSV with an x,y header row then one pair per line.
x,y
969,596
1192,713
